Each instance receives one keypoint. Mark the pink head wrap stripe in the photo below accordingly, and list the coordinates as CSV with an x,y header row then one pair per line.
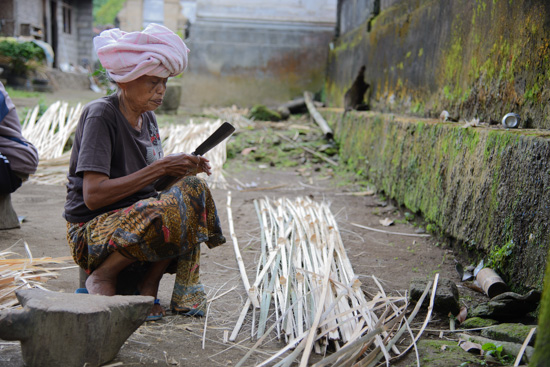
x,y
155,51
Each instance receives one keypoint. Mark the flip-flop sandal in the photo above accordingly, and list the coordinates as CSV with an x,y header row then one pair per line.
x,y
81,291
154,317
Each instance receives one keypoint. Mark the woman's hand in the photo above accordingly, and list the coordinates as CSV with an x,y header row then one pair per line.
x,y
99,190
183,164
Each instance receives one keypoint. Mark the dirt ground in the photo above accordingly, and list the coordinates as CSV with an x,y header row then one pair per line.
x,y
178,340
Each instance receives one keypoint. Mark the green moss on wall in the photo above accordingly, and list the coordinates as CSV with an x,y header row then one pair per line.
x,y
476,67
484,187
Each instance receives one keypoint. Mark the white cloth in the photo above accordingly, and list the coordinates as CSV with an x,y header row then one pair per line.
x,y
156,51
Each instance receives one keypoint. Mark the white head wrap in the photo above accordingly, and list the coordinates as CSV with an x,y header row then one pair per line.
x,y
155,51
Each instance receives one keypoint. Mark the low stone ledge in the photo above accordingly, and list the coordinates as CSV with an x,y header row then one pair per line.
x,y
486,187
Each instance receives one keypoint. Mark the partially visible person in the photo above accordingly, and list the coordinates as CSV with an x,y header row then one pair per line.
x,y
18,157
120,229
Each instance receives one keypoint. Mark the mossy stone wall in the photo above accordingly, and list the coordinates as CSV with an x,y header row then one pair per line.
x,y
478,58
488,188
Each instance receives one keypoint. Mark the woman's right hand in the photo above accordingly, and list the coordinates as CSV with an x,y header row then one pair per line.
x,y
183,164
99,190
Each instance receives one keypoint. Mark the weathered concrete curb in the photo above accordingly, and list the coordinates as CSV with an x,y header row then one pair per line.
x,y
485,187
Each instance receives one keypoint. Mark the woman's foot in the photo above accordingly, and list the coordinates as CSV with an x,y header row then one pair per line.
x,y
157,312
97,283
102,281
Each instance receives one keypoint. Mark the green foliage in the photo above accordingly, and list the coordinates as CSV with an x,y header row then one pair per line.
x,y
431,228
105,11
496,352
262,113
18,93
499,256
22,54
97,4
101,75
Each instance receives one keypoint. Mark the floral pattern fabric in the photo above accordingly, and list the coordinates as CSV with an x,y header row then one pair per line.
x,y
172,225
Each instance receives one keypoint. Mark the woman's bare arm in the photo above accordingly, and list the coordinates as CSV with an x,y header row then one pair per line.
x,y
99,190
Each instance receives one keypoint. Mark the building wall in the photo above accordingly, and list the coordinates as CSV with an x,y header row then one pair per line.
x,y
173,15
7,18
84,32
13,13
131,16
136,14
28,12
473,59
245,54
67,43
306,11
74,45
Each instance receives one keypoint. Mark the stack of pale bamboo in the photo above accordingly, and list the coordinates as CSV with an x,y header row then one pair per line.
x,y
186,138
17,272
305,280
50,134
52,131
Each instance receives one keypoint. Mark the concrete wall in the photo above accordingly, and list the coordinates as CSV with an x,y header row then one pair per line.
x,y
67,43
7,17
131,16
351,14
486,189
247,54
472,58
75,47
136,14
13,13
28,12
305,11
84,32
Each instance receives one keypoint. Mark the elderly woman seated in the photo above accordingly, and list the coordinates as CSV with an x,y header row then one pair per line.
x,y
121,230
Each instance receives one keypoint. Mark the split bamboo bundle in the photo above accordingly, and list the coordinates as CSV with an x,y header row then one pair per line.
x,y
53,129
186,138
17,272
52,171
305,280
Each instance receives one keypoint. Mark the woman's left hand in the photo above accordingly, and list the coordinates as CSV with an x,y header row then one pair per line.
x,y
203,165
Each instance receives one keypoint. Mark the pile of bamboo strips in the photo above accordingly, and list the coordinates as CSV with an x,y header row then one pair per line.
x,y
304,278
53,129
186,138
17,272
52,171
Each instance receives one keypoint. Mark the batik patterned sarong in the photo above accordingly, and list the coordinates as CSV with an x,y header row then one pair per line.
x,y
172,225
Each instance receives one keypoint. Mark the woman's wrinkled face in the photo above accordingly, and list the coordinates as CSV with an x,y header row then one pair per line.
x,y
146,92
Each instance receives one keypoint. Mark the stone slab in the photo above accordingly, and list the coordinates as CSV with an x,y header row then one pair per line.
x,y
64,329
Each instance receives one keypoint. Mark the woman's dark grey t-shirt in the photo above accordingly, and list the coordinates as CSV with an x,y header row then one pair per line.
x,y
106,143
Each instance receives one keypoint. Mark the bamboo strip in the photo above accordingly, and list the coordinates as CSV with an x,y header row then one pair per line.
x,y
239,323
313,329
29,272
388,232
410,319
524,346
250,291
